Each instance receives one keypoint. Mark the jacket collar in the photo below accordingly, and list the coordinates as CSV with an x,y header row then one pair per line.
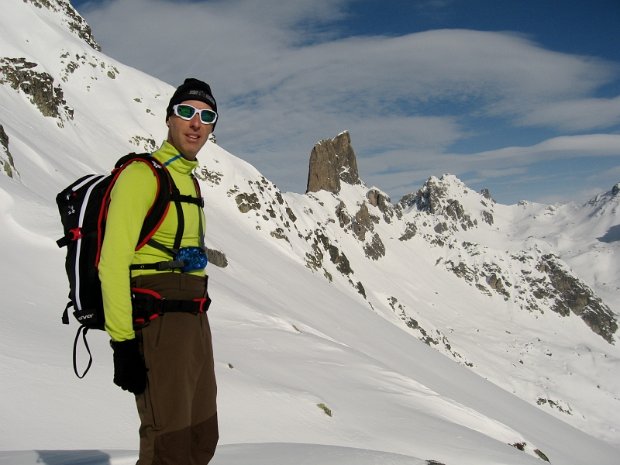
x,y
172,159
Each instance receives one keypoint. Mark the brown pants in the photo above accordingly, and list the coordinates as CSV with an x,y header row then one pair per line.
x,y
178,411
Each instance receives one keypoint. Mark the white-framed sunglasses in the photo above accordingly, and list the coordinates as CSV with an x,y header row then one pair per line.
x,y
187,112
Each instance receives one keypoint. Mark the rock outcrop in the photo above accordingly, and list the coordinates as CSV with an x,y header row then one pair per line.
x,y
75,23
332,161
7,165
39,86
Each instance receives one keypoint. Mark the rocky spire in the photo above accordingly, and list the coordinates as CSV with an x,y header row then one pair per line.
x,y
332,161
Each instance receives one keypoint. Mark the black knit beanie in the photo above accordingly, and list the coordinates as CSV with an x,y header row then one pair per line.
x,y
192,89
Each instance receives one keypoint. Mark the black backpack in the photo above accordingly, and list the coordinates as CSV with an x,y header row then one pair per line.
x,y
83,208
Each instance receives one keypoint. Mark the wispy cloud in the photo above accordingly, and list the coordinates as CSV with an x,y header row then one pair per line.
x,y
286,76
576,115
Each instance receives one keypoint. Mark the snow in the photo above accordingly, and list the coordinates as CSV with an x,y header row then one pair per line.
x,y
239,454
309,370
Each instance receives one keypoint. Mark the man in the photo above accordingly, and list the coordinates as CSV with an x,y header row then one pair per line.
x,y
162,349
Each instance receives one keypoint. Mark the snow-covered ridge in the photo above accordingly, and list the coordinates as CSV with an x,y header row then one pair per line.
x,y
343,236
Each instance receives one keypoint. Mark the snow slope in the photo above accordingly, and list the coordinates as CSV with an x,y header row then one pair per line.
x,y
310,370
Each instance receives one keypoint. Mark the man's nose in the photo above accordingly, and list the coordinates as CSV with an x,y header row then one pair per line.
x,y
195,121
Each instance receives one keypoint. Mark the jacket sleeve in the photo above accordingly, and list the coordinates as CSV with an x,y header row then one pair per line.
x,y
130,199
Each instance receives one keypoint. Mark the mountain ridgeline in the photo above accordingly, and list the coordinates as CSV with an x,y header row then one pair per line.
x,y
435,214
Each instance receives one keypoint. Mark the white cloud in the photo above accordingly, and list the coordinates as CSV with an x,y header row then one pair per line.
x,y
506,170
581,114
605,145
285,78
262,48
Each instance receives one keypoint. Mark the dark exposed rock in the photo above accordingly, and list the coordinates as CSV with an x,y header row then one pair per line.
x,y
441,228
541,455
339,259
360,288
71,17
148,144
73,61
343,216
605,200
321,242
487,194
290,214
205,174
429,198
496,282
39,86
332,161
376,249
407,201
462,271
6,159
554,404
362,223
553,288
410,231
247,202
217,258
279,233
574,296
488,217
380,200
456,211
434,198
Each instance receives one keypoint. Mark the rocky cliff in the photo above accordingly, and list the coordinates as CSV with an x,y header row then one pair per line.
x,y
332,161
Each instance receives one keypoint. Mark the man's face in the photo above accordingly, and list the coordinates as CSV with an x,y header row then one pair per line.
x,y
188,137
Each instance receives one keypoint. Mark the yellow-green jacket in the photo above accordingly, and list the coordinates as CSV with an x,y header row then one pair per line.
x,y
131,198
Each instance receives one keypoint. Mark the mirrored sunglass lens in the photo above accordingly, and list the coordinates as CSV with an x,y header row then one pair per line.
x,y
207,116
185,111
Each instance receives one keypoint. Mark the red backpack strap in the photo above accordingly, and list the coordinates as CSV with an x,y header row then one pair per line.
x,y
156,214
158,209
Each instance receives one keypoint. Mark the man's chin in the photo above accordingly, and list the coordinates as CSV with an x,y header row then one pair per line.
x,y
190,150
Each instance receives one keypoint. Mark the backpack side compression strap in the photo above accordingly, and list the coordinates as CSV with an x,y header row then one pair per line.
x,y
83,330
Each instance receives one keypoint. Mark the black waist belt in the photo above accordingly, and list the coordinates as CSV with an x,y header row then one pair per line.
x,y
183,306
148,305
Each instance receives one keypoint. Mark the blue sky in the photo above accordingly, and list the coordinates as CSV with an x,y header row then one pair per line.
x,y
521,97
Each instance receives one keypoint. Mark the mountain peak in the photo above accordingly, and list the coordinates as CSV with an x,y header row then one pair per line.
x,y
332,161
609,200
70,17
450,197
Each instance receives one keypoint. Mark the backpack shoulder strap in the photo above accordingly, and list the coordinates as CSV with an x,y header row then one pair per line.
x,y
163,196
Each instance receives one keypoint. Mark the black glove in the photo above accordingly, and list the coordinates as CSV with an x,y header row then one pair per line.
x,y
129,367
